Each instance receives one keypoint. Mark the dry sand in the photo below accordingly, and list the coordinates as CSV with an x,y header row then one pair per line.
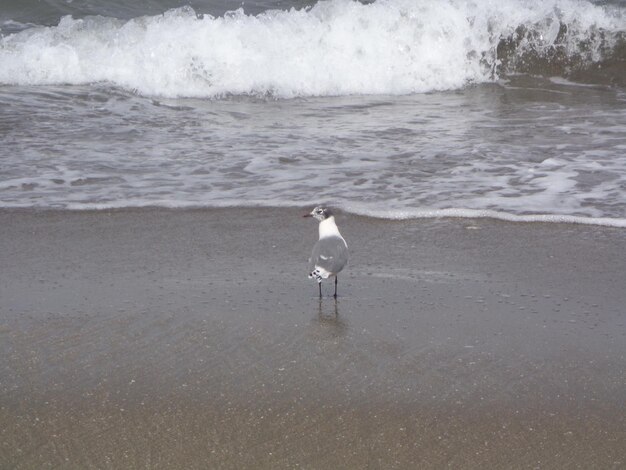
x,y
193,339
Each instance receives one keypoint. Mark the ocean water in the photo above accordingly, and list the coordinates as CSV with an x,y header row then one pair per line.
x,y
513,109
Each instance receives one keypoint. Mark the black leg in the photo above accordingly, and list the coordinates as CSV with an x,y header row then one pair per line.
x,y
320,286
335,287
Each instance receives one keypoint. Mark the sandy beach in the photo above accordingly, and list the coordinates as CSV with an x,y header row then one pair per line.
x,y
191,339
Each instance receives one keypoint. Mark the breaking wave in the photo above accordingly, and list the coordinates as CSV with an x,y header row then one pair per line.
x,y
336,47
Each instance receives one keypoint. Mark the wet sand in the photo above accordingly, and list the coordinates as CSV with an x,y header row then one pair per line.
x,y
193,339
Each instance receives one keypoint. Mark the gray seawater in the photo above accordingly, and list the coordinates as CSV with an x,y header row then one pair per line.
x,y
543,143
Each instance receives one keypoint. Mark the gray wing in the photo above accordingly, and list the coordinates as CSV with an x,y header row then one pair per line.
x,y
330,253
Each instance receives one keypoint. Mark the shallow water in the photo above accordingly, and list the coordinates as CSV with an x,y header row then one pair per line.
x,y
527,146
192,339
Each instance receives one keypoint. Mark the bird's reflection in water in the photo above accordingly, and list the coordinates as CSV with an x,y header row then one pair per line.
x,y
328,317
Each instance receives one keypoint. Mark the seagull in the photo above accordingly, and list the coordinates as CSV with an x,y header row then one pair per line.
x,y
330,253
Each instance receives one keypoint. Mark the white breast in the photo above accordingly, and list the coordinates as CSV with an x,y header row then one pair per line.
x,y
328,228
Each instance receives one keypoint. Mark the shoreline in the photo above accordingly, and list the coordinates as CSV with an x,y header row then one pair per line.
x,y
152,338
399,215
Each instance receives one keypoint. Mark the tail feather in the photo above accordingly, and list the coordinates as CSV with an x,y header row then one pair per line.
x,y
317,275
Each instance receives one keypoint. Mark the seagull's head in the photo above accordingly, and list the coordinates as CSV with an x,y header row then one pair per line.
x,y
320,213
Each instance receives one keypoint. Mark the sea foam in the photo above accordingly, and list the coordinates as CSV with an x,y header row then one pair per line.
x,y
336,47
463,213
373,212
